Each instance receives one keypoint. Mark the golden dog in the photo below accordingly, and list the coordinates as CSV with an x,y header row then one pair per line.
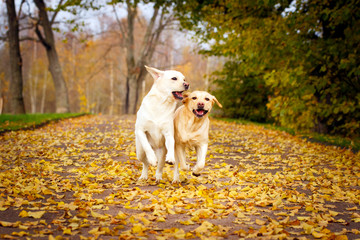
x,y
191,124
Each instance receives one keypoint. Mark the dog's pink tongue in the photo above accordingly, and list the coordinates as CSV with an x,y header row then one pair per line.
x,y
178,95
200,111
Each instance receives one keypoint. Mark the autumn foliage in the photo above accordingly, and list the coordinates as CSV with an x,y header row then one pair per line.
x,y
78,178
292,62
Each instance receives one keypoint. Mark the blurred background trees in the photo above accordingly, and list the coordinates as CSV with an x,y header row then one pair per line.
x,y
295,63
101,51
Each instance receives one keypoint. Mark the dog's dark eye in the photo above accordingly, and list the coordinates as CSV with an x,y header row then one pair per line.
x,y
207,99
174,78
194,98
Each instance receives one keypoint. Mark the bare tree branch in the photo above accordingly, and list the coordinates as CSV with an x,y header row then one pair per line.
x,y
119,22
41,37
56,13
147,41
27,27
21,4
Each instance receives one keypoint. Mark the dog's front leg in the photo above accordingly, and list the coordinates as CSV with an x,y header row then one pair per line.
x,y
160,154
181,155
200,162
143,144
170,145
140,153
179,158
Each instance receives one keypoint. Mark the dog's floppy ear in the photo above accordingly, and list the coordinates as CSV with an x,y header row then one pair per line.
x,y
185,97
217,102
155,73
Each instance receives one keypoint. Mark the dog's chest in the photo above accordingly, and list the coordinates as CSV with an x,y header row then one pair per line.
x,y
155,137
193,134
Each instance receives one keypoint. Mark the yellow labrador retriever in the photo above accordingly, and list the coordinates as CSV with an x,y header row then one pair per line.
x,y
191,125
154,128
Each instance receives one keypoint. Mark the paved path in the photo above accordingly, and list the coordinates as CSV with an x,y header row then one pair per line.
x,y
77,179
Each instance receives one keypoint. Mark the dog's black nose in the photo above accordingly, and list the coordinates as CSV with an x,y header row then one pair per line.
x,y
201,105
186,85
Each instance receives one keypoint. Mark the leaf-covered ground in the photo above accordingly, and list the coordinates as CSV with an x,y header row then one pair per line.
x,y
77,179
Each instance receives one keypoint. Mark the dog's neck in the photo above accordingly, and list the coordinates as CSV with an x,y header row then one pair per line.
x,y
161,97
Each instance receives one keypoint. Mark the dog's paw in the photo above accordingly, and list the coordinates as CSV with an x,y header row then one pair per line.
x,y
176,181
158,179
143,178
170,161
153,161
185,167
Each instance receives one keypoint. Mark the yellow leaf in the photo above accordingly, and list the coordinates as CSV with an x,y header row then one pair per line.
x,y
303,218
145,221
308,229
82,214
318,235
23,213
67,231
309,208
260,222
20,234
38,214
22,227
138,228
6,224
170,211
187,222
96,231
341,237
204,227
263,230
333,213
352,209
98,215
121,215
179,234
160,219
47,192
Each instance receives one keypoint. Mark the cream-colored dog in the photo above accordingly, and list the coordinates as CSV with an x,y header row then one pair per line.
x,y
154,127
191,125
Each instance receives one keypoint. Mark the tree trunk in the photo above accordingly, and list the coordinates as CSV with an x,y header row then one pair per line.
x,y
135,64
62,98
131,94
131,84
16,84
42,107
111,110
33,81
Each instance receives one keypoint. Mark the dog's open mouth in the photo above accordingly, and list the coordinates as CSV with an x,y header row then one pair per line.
x,y
178,95
200,112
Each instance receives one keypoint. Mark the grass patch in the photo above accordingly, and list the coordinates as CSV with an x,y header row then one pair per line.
x,y
351,143
10,122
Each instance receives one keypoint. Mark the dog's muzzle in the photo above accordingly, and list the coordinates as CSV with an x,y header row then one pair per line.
x,y
178,95
200,112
